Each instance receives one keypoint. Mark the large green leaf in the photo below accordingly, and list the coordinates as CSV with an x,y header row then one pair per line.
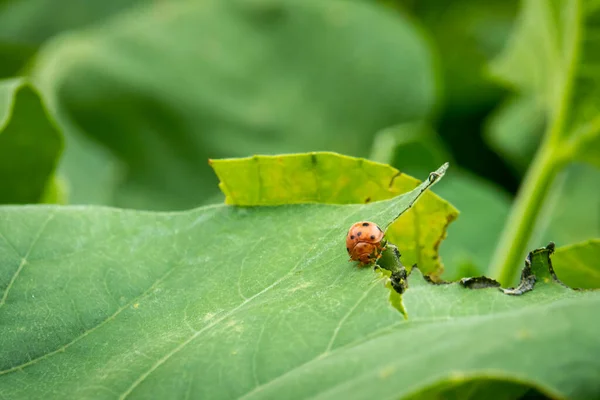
x,y
336,179
260,302
167,86
30,145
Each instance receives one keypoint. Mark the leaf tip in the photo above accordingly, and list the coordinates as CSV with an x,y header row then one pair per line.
x,y
439,173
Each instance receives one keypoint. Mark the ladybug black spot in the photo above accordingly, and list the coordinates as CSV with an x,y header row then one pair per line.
x,y
352,237
365,224
372,237
359,233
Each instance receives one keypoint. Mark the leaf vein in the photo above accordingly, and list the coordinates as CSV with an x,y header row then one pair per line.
x,y
91,330
24,259
346,316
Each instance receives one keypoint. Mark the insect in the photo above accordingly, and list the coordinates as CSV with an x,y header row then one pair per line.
x,y
364,242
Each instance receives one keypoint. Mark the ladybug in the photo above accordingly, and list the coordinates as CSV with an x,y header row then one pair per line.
x,y
364,242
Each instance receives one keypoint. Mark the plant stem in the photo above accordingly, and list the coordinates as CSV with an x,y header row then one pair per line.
x,y
511,249
550,157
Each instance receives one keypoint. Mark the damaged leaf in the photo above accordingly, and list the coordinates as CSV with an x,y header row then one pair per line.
x,y
415,148
479,282
132,290
143,304
538,266
335,179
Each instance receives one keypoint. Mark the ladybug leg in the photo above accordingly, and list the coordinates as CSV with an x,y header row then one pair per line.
x,y
379,251
384,246
373,257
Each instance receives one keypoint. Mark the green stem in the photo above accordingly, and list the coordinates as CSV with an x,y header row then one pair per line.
x,y
552,155
512,246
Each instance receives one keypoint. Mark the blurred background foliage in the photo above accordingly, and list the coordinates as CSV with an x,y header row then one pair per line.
x,y
145,91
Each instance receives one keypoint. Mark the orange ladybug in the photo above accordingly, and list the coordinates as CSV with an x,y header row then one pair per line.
x,y
364,242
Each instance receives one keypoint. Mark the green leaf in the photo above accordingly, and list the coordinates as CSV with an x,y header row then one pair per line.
x,y
227,79
143,304
539,50
169,262
571,213
577,265
476,388
336,179
552,61
587,146
30,145
26,24
93,173
515,131
56,192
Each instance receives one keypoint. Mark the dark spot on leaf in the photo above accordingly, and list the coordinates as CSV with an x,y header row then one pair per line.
x,y
398,280
480,282
313,159
365,224
435,280
527,282
368,199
